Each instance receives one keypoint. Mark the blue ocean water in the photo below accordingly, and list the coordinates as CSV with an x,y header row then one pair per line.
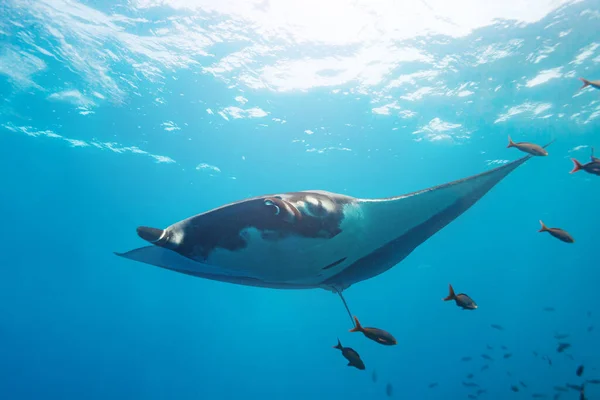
x,y
121,114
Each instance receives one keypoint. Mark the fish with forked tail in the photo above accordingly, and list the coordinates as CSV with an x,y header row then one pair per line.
x,y
351,355
376,334
592,167
531,148
558,233
586,83
462,300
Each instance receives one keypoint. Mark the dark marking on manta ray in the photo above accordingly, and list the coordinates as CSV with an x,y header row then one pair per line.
x,y
333,264
308,215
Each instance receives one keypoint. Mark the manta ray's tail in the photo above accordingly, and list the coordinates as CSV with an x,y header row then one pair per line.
x,y
347,308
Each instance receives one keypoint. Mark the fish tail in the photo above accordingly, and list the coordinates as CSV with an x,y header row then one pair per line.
x,y
339,345
543,228
358,327
451,295
510,142
586,83
576,166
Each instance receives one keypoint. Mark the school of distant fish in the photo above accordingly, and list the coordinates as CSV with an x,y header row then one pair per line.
x,y
465,302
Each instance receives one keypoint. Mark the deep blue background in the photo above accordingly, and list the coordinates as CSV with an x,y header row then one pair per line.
x,y
78,322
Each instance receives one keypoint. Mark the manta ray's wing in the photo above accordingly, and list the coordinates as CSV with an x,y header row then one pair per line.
x,y
168,259
400,224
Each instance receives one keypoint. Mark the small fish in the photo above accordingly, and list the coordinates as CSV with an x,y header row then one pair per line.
x,y
592,167
538,395
489,347
523,384
470,384
590,328
586,83
376,334
557,233
504,347
484,367
472,396
548,359
593,381
562,347
466,359
432,385
374,376
535,354
560,336
470,376
570,356
351,355
574,387
496,326
579,371
556,396
561,389
462,300
508,355
481,391
549,309
514,388
389,390
487,357
531,148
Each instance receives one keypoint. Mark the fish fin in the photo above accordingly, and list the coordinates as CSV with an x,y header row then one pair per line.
x,y
549,143
543,228
451,295
510,142
586,83
576,166
358,327
339,345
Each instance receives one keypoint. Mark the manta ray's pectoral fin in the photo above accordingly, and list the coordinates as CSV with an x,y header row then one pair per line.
x,y
403,223
164,258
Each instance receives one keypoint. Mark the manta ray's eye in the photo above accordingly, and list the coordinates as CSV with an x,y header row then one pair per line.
x,y
283,209
275,207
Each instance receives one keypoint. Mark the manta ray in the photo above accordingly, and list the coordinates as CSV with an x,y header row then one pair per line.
x,y
310,239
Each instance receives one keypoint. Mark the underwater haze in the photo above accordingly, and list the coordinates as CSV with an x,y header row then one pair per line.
x,y
128,113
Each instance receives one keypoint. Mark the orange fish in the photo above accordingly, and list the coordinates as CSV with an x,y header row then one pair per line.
x,y
586,83
376,334
531,148
558,233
